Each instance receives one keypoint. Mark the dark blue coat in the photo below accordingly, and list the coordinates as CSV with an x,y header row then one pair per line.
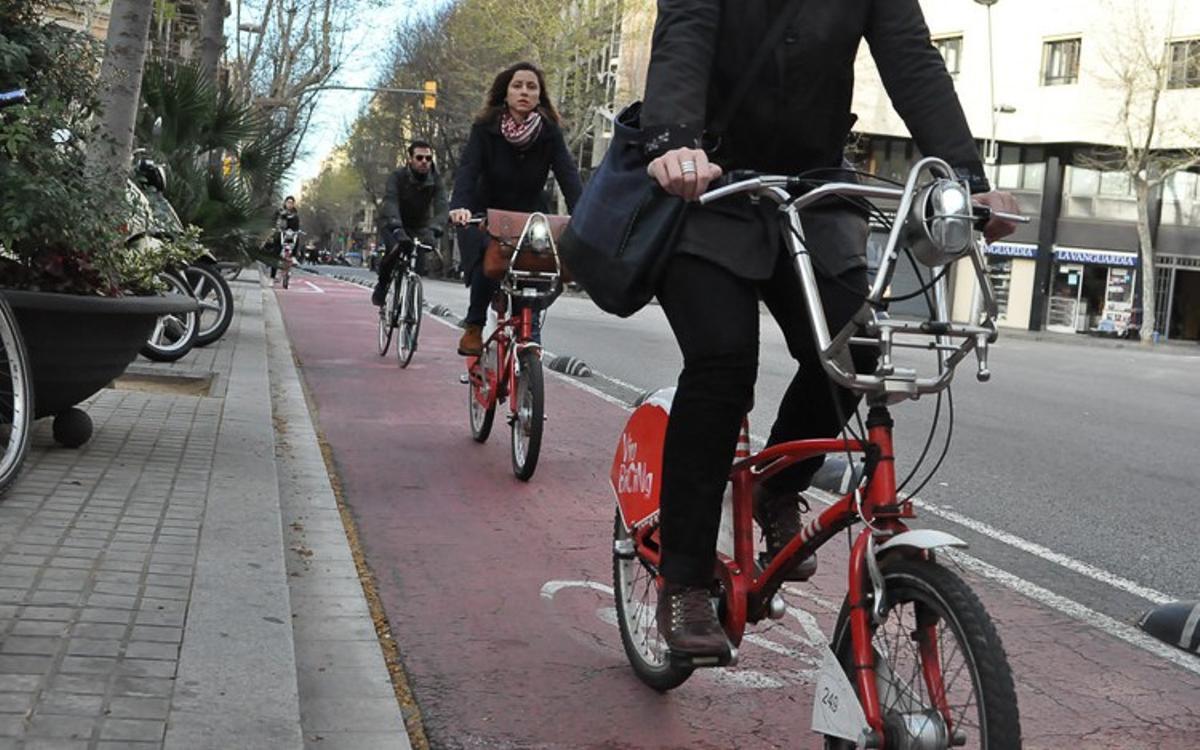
x,y
494,174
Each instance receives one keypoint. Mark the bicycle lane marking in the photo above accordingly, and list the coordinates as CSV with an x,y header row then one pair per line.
x,y
1073,683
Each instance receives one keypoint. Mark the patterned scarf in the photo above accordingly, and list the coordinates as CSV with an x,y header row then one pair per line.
x,y
521,134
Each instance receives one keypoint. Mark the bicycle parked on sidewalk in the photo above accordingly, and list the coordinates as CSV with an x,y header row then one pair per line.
x,y
524,256
403,306
915,661
16,381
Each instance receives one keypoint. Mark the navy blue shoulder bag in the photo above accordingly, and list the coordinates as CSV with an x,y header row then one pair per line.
x,y
618,241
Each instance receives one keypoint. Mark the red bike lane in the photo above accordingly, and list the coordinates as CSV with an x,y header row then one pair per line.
x,y
498,591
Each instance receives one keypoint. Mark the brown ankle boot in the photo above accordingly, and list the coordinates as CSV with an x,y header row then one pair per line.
x,y
778,515
688,623
471,343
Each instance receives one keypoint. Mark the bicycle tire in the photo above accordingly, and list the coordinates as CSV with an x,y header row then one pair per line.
x,y
481,417
937,592
16,398
410,325
387,320
636,592
184,327
212,291
529,421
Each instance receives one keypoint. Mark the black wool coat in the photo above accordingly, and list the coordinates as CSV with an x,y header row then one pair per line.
x,y
492,173
795,115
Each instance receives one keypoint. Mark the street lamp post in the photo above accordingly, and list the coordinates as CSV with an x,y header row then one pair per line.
x,y
990,147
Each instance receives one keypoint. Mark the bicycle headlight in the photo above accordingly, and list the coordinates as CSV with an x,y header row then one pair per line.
x,y
536,236
939,227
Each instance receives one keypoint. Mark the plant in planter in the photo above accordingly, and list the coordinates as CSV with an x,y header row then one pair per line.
x,y
63,263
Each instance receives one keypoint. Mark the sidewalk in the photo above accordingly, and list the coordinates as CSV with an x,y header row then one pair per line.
x,y
184,580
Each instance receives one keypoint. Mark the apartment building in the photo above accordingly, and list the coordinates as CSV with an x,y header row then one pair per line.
x,y
1043,100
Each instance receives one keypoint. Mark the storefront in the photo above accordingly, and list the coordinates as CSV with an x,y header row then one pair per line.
x,y
1010,267
1177,293
1091,290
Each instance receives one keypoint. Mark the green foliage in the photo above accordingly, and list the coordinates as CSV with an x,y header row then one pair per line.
x,y
57,228
142,260
224,158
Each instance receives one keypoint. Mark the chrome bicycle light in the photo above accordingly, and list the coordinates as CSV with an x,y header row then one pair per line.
x,y
536,236
939,227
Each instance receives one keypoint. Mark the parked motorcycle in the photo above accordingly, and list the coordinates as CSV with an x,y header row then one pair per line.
x,y
155,220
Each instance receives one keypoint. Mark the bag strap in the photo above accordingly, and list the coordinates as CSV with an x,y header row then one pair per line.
x,y
765,50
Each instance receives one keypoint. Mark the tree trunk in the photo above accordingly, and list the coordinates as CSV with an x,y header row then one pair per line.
x,y
121,86
1149,305
212,38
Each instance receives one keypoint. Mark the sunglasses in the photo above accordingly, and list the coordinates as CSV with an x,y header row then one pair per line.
x,y
422,157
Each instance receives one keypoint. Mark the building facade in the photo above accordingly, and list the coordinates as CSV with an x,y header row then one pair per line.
x,y
1044,101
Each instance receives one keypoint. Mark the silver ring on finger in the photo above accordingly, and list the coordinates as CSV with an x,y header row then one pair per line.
x,y
687,167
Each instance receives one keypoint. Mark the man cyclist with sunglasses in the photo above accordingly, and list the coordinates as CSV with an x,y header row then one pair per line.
x,y
414,206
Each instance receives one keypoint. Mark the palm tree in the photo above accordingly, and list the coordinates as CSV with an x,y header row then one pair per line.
x,y
190,123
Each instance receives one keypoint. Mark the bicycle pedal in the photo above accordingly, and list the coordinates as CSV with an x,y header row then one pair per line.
x,y
705,661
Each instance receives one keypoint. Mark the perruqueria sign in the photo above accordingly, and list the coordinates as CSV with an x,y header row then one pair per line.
x,y
1177,623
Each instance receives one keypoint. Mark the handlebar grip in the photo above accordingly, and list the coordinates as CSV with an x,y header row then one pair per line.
x,y
984,214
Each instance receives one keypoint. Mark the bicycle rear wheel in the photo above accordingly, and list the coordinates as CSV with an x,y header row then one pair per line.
x,y
529,420
410,320
481,402
636,590
936,654
16,398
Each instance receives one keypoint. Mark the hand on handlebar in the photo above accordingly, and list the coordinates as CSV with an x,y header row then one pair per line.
x,y
460,216
685,172
998,202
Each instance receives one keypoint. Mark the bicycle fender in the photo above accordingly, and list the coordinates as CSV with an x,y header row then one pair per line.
x,y
922,539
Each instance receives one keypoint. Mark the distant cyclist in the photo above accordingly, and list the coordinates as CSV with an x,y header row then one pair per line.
x,y
286,217
414,207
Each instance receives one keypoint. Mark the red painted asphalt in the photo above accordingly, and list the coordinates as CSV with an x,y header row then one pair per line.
x,y
497,591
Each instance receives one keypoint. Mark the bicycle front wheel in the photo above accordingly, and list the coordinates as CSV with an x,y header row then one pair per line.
x,y
387,319
410,320
529,420
16,397
942,676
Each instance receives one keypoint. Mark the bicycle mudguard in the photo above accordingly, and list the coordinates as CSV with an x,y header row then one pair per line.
x,y
922,539
637,467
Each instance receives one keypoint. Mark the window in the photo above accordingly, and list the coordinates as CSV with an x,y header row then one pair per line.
x,y
1184,72
950,48
1060,62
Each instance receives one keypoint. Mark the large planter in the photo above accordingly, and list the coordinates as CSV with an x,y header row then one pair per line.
x,y
78,344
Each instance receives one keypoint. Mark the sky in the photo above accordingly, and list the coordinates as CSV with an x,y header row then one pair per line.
x,y
366,46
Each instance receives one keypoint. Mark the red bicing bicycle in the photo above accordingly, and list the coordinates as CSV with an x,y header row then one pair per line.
x,y
524,257
914,660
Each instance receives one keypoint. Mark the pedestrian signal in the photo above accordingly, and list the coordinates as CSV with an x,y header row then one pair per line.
x,y
430,101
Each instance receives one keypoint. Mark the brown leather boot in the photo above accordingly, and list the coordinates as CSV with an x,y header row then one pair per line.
x,y
778,515
471,343
688,623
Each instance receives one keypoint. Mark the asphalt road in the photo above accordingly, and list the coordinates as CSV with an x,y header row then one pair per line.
x,y
1085,449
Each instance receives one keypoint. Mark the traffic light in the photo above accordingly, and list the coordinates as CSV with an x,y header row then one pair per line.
x,y
430,100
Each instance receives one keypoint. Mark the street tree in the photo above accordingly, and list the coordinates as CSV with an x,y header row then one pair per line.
x,y
331,202
120,86
1157,138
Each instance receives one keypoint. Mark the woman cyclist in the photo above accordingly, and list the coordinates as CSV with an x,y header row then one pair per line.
x,y
795,118
515,142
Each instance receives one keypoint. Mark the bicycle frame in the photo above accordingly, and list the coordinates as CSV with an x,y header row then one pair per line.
x,y
513,334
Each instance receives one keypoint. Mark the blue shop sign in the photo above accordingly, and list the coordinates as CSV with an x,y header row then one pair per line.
x,y
1012,249
1101,257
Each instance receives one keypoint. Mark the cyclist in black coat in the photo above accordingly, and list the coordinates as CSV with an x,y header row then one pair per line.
x,y
414,206
514,144
794,118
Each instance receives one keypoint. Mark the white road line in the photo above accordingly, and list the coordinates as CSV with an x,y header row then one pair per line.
x,y
1049,555
314,287
1087,616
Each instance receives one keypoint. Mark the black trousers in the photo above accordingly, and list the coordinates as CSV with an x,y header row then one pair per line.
x,y
714,315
